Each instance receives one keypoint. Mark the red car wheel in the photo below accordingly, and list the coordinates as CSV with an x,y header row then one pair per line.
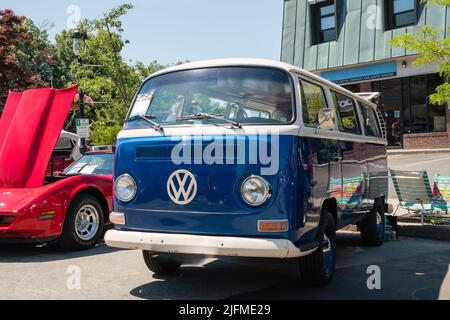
x,y
84,223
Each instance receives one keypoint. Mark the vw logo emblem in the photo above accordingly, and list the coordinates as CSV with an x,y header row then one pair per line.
x,y
182,187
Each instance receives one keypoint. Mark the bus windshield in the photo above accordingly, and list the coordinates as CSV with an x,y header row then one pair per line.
x,y
245,95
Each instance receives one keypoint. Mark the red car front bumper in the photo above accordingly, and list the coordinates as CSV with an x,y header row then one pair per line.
x,y
29,226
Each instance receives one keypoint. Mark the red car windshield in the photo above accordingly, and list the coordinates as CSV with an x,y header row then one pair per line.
x,y
101,163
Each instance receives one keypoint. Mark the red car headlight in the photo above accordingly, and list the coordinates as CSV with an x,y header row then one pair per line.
x,y
6,220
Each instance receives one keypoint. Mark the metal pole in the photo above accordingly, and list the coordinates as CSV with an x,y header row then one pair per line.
x,y
81,103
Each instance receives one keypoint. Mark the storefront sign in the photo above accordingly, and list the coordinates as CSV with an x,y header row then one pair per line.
x,y
362,73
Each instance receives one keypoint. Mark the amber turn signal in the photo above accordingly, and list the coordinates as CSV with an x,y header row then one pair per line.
x,y
117,218
273,225
47,215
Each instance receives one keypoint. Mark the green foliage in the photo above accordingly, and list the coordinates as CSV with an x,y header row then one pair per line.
x,y
102,72
104,134
432,47
28,59
439,2
348,123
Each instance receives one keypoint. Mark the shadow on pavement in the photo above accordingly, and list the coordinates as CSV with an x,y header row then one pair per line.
x,y
213,279
403,276
47,252
226,275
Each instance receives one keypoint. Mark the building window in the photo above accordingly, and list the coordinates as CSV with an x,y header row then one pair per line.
x,y
323,16
401,13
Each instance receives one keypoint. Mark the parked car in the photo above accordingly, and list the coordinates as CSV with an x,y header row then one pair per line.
x,y
189,180
100,148
67,150
70,206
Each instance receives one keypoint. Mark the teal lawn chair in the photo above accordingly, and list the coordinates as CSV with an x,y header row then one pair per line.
x,y
413,191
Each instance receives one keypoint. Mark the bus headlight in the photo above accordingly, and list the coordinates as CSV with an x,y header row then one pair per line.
x,y
255,190
125,188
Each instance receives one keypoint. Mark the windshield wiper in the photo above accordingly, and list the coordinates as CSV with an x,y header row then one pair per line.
x,y
206,116
148,119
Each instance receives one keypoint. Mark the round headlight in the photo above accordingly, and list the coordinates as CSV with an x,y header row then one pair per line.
x,y
125,188
255,190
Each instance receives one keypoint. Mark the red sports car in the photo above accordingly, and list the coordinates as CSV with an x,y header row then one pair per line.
x,y
71,206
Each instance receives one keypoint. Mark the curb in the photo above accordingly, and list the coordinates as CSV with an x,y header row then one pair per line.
x,y
391,152
434,232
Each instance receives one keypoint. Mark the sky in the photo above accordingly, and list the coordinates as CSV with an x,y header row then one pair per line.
x,y
174,30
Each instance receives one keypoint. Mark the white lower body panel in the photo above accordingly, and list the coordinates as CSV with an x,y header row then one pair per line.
x,y
204,245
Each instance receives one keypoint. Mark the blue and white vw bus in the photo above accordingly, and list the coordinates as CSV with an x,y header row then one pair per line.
x,y
247,158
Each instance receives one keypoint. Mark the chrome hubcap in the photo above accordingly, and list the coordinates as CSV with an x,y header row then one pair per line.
x,y
378,218
86,222
326,246
379,225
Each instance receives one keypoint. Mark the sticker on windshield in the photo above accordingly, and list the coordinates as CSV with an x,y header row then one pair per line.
x,y
76,168
89,169
142,104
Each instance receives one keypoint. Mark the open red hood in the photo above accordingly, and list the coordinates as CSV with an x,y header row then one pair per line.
x,y
29,129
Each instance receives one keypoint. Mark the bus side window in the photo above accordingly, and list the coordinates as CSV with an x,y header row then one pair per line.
x,y
313,100
346,113
370,121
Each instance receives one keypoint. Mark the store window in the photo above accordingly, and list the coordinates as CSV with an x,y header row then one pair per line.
x,y
323,16
406,110
436,113
419,108
401,13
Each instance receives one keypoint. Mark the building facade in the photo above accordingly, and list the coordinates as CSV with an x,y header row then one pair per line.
x,y
347,42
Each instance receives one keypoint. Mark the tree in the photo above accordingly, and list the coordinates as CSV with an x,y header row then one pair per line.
x,y
432,47
26,57
103,73
29,60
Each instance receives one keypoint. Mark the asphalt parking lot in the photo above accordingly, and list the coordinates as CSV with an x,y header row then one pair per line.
x,y
410,269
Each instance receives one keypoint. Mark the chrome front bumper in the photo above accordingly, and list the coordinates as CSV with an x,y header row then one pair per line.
x,y
205,245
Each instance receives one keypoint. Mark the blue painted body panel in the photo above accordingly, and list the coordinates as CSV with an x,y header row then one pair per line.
x,y
311,170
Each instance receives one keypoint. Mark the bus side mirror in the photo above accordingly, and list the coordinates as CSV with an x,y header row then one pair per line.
x,y
326,119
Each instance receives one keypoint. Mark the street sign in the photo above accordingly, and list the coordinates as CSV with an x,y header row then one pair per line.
x,y
82,128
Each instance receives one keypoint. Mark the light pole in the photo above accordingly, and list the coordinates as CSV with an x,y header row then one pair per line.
x,y
79,42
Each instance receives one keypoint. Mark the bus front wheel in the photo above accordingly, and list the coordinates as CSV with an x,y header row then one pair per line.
x,y
160,265
317,268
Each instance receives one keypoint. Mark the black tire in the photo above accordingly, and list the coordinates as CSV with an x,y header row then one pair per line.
x,y
372,227
71,239
160,265
317,268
